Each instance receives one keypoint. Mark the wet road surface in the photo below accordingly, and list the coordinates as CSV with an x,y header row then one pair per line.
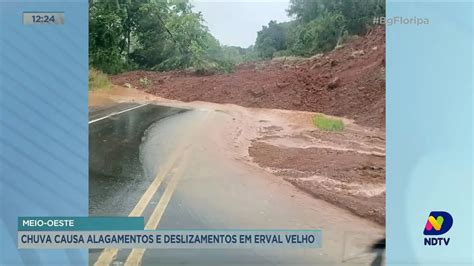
x,y
170,167
116,177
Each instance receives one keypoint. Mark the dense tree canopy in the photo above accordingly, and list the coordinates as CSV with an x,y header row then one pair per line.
x,y
271,38
159,35
319,26
165,35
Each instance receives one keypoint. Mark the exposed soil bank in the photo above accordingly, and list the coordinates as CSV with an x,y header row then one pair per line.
x,y
349,179
347,82
344,166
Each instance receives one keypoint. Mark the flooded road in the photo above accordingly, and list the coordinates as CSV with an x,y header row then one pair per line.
x,y
173,167
115,169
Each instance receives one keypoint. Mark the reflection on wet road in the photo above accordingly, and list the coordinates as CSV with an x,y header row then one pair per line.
x,y
116,177
171,166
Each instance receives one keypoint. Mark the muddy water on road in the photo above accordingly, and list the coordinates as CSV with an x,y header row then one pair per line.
x,y
217,191
224,182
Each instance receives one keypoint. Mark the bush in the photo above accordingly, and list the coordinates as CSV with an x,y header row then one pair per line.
x,y
328,123
318,36
145,82
98,80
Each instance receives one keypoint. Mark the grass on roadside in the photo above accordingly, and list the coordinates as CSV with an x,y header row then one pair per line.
x,y
98,80
327,123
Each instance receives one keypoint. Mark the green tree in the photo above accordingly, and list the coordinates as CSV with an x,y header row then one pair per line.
x,y
271,38
320,24
147,34
318,35
105,37
358,14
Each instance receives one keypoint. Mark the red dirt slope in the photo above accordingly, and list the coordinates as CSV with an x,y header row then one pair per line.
x,y
348,82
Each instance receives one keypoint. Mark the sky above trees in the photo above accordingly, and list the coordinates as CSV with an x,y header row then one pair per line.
x,y
236,23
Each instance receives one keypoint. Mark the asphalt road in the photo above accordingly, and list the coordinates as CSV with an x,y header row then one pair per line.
x,y
168,165
116,176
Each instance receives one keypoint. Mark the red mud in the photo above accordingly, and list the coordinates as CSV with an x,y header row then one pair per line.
x,y
347,82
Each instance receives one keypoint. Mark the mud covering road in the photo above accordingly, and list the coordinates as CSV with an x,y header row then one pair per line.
x,y
345,168
347,82
209,182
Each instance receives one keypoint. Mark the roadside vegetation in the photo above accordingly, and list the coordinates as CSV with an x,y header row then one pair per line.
x,y
154,35
168,35
327,123
145,82
319,26
98,80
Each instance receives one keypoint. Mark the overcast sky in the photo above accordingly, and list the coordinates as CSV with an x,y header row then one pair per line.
x,y
237,22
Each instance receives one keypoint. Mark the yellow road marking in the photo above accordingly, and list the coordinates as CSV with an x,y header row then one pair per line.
x,y
136,255
108,254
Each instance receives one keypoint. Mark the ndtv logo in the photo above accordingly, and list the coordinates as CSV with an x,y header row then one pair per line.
x,y
438,223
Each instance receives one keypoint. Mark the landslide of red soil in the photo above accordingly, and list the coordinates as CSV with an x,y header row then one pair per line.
x,y
310,168
347,82
345,166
